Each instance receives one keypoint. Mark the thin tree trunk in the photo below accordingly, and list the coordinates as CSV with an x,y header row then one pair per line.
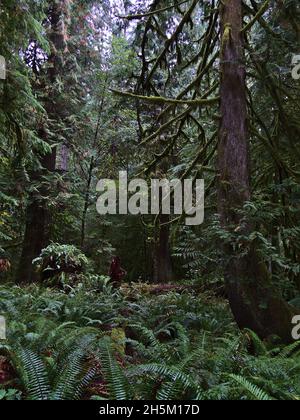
x,y
163,269
86,203
90,172
162,262
254,302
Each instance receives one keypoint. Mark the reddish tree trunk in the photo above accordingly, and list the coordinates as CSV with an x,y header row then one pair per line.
x,y
254,302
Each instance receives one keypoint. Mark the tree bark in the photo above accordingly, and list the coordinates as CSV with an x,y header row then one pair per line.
x,y
254,302
163,269
38,217
162,262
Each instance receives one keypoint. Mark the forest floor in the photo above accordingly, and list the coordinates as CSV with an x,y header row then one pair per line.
x,y
137,343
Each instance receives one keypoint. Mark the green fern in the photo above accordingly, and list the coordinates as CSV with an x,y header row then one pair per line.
x,y
179,379
32,373
259,346
116,381
289,350
254,391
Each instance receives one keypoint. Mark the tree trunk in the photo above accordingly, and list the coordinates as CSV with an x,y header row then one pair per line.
x,y
38,217
163,269
162,262
254,302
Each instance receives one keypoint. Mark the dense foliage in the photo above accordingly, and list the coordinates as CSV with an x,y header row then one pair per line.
x,y
158,89
96,343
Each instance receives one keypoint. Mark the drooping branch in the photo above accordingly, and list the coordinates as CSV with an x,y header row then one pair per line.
x,y
200,154
166,125
194,83
206,47
290,129
258,15
159,157
263,22
171,40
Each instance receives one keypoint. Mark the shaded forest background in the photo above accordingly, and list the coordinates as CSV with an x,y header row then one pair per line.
x,y
176,89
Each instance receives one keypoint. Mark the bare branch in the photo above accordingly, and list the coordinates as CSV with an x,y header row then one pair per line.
x,y
154,12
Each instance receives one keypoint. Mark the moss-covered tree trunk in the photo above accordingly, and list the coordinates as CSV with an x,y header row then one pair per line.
x,y
253,300
38,216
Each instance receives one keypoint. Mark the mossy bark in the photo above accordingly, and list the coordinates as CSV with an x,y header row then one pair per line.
x,y
38,216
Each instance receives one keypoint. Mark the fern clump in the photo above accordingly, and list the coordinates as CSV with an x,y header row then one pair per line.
x,y
60,263
99,344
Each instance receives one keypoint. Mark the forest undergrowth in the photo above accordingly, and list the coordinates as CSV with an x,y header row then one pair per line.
x,y
137,343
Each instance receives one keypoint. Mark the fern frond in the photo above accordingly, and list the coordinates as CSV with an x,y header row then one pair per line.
x,y
117,383
166,372
289,350
33,373
255,392
259,346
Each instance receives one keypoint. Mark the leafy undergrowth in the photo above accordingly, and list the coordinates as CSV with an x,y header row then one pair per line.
x,y
97,343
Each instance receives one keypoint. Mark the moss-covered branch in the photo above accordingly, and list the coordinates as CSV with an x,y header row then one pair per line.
x,y
194,83
258,15
179,117
160,100
265,25
202,153
186,18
